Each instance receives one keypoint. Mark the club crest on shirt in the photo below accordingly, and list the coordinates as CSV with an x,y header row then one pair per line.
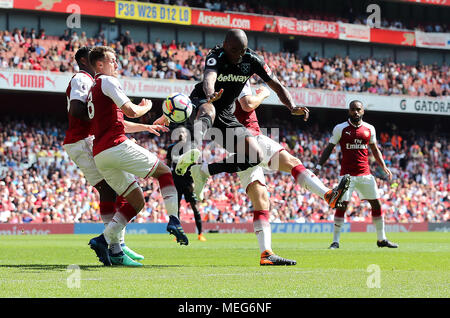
x,y
211,61
245,68
366,133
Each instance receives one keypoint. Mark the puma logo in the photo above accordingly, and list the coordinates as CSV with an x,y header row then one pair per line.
x,y
47,4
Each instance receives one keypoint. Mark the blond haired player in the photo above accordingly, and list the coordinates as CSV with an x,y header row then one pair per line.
x,y
119,159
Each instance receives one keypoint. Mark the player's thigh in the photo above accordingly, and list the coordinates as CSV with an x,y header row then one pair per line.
x,y
348,194
270,150
136,160
120,181
367,188
255,188
81,153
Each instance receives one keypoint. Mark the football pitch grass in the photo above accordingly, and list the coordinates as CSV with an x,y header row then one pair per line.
x,y
227,266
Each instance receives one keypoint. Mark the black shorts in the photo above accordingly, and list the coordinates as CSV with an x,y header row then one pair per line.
x,y
184,185
225,120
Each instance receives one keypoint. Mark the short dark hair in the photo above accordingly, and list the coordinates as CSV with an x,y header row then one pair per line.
x,y
353,102
99,53
82,52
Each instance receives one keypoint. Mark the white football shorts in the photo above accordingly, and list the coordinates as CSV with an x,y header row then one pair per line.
x,y
269,148
81,153
120,164
250,175
365,186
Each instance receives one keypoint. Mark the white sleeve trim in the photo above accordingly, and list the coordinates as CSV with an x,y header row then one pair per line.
x,y
79,87
373,134
111,88
337,133
246,90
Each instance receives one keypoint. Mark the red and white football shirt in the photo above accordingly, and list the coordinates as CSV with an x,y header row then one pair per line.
x,y
78,88
354,142
105,100
248,119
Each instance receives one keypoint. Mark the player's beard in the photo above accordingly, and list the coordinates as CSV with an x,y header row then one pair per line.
x,y
356,120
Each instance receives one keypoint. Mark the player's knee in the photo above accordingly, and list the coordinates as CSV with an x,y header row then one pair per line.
x,y
207,109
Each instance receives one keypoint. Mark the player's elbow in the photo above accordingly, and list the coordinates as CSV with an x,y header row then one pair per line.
x,y
130,112
246,104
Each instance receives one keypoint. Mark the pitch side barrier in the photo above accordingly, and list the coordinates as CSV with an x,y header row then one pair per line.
x,y
160,228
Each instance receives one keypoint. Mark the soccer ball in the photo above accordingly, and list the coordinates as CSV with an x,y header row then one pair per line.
x,y
177,107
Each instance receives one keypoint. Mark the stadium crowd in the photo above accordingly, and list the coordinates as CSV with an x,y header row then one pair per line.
x,y
161,60
39,183
348,13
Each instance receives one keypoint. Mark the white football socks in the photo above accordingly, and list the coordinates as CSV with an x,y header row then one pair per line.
x,y
311,182
337,228
379,225
112,231
263,233
170,196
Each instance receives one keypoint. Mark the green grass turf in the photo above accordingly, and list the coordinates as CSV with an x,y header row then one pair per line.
x,y
227,266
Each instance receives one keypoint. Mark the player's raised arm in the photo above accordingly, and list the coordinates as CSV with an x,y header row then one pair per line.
x,y
135,111
286,98
249,101
131,127
266,74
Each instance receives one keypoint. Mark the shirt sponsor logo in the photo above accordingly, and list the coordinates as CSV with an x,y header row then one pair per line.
x,y
232,78
357,145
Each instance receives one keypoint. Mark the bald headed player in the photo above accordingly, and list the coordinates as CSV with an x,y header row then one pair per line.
x,y
355,137
227,69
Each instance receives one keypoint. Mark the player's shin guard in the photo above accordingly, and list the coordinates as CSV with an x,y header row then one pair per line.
x,y
169,193
262,230
339,218
378,220
309,180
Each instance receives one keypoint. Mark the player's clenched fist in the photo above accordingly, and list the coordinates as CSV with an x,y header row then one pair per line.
x,y
300,110
145,102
